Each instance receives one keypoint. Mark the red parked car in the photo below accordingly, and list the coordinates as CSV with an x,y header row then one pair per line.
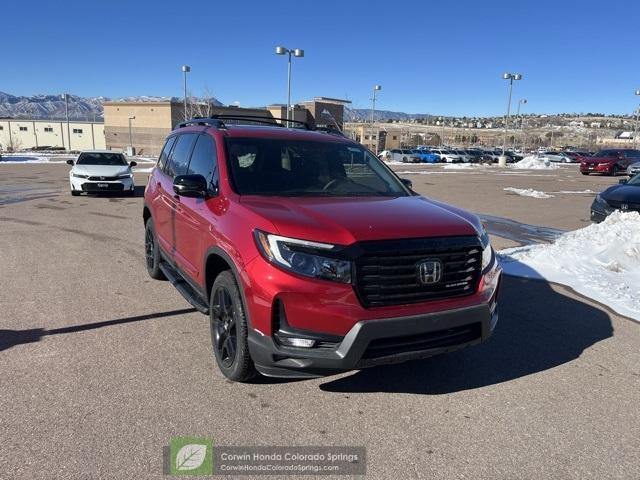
x,y
609,162
309,254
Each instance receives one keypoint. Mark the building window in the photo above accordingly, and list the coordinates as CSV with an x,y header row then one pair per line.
x,y
77,130
48,129
395,137
23,129
1,127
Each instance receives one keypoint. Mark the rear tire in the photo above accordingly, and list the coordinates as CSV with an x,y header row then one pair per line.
x,y
614,171
585,173
74,193
404,160
152,253
228,322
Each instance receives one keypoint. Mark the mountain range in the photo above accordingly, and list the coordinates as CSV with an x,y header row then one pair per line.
x,y
90,108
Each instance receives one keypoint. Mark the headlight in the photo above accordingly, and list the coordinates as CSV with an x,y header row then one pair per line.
x,y
605,164
303,257
126,175
601,202
80,176
487,251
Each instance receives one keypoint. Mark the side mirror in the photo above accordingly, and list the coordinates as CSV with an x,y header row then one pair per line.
x,y
622,181
133,163
194,186
69,162
407,183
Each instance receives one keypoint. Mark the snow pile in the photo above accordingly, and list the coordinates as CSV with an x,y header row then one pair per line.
x,y
458,166
528,192
532,162
601,261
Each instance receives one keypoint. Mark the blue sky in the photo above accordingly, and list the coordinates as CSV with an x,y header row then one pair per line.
x,y
430,57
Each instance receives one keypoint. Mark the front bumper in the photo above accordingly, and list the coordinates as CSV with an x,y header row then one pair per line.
x,y
377,342
84,185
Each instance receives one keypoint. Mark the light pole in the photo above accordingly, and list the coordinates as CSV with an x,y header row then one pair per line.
x,y
442,136
185,69
376,88
635,128
511,77
297,52
65,96
131,136
522,101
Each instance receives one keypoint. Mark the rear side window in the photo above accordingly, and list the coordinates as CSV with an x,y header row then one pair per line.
x,y
164,155
204,161
179,160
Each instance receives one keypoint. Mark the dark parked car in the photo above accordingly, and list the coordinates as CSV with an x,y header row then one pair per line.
x,y
609,162
625,196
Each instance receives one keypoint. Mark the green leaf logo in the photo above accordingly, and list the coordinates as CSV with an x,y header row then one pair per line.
x,y
190,457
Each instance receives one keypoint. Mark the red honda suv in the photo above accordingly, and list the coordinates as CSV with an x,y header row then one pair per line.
x,y
609,162
309,255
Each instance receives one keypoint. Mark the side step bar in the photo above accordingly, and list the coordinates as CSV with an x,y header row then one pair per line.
x,y
185,289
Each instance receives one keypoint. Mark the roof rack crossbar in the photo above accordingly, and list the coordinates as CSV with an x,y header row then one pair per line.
x,y
260,119
212,122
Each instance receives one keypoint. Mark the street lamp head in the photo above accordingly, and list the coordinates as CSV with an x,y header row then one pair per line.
x,y
132,118
298,52
281,50
506,75
524,100
186,68
637,92
517,76
377,87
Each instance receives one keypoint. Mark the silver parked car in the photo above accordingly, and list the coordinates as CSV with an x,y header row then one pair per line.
x,y
633,169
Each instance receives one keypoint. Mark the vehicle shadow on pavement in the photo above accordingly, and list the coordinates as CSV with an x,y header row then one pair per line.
x,y
11,338
539,328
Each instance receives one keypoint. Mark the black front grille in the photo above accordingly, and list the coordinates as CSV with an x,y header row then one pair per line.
x,y
629,205
387,271
384,347
103,179
106,187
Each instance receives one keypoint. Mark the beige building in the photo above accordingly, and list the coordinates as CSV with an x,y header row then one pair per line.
x,y
20,134
378,137
151,122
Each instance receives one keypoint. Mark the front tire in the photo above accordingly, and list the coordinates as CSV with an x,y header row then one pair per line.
x,y
151,251
614,171
229,329
74,193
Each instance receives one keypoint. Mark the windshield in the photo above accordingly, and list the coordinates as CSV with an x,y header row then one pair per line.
x,y
262,166
106,159
635,180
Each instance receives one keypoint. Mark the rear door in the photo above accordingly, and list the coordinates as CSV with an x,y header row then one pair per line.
x,y
176,165
196,218
161,210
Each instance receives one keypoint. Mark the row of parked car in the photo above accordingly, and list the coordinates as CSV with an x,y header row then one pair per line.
x,y
446,155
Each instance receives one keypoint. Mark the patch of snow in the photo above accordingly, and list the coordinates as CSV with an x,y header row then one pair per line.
x,y
528,192
458,166
143,170
601,261
574,191
532,162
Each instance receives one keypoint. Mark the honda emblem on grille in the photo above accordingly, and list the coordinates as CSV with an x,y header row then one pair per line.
x,y
429,271
624,206
102,178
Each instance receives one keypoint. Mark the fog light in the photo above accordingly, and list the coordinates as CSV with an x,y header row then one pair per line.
x,y
297,342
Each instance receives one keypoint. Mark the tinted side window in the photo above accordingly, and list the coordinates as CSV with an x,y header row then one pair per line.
x,y
204,161
179,160
164,155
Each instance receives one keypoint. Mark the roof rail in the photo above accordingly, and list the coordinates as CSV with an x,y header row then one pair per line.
x,y
212,122
267,120
217,121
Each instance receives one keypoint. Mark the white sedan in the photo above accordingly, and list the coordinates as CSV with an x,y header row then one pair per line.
x,y
98,171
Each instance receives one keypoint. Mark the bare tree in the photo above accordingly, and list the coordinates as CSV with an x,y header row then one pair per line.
x,y
201,106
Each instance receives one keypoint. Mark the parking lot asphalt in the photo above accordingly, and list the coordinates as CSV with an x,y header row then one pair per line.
x,y
100,365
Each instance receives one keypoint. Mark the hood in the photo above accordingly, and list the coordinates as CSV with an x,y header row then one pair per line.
x,y
346,220
101,170
622,193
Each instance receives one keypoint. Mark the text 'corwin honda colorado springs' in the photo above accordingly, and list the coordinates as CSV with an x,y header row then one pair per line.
x,y
309,255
